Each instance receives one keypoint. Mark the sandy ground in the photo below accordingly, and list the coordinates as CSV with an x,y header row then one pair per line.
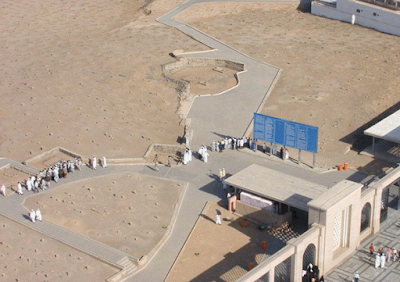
x,y
27,255
125,211
86,76
221,252
10,178
335,76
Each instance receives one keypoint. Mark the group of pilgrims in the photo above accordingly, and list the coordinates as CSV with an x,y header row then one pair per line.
x,y
233,143
42,180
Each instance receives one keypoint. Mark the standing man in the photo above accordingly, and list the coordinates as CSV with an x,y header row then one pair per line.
x,y
19,189
94,162
104,162
156,162
218,219
205,154
356,276
371,250
4,190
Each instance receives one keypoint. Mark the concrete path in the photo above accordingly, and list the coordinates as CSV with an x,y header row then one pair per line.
x,y
231,113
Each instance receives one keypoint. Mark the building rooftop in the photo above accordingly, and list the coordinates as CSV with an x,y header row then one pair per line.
x,y
387,129
277,186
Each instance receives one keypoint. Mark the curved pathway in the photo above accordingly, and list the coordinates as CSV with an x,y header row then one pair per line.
x,y
230,114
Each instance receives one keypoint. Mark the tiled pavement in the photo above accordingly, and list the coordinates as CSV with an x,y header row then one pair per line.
x,y
389,236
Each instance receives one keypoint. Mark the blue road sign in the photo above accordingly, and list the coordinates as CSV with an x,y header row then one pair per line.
x,y
286,133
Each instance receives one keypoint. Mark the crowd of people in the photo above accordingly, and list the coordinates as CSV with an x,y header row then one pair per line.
x,y
42,180
233,143
382,256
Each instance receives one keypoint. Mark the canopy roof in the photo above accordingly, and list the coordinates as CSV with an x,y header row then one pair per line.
x,y
277,186
387,129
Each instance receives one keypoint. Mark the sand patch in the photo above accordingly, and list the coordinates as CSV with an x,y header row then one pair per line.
x,y
127,211
27,255
86,76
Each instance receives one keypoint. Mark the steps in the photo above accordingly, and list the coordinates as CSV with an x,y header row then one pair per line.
x,y
128,269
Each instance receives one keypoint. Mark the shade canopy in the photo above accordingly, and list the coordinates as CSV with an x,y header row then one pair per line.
x,y
277,186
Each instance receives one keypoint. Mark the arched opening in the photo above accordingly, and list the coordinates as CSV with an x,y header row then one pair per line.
x,y
309,256
365,217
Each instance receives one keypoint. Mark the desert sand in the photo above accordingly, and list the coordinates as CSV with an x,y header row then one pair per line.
x,y
27,255
86,76
129,212
335,76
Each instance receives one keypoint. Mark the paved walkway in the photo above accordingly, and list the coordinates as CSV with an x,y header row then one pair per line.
x,y
388,236
226,114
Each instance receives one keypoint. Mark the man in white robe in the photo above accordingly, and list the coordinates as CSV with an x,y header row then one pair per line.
x,y
185,157
377,260
55,174
29,184
39,215
383,260
205,156
4,190
218,219
201,150
32,216
19,189
94,162
104,162
213,146
190,155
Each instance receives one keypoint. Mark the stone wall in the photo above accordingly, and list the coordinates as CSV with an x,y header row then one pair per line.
x,y
168,149
187,62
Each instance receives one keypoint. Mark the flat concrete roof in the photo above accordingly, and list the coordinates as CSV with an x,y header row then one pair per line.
x,y
387,129
277,186
338,192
